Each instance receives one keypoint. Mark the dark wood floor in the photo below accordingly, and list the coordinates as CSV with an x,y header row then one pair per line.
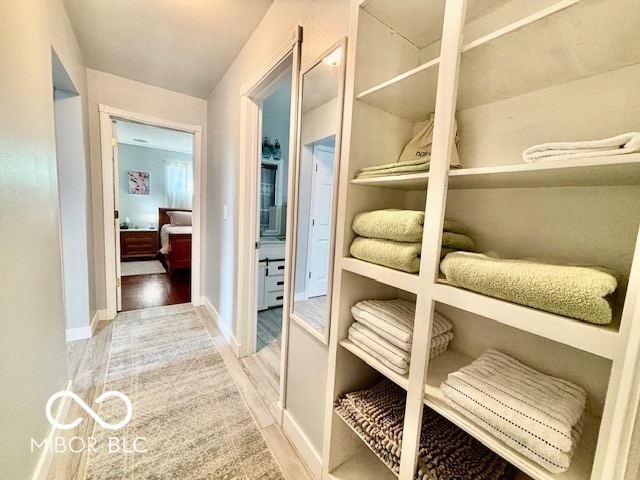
x,y
157,290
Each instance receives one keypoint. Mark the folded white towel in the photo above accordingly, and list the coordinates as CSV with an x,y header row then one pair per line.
x,y
440,340
390,355
393,320
555,151
536,414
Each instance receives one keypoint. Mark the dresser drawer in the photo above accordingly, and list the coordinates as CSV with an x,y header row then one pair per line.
x,y
275,268
274,283
138,244
274,299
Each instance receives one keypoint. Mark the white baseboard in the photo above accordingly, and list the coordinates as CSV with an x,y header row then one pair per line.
x,y
302,444
226,333
79,333
82,333
46,458
298,297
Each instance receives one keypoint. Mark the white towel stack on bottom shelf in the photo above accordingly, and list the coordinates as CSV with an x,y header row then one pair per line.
x,y
538,415
384,329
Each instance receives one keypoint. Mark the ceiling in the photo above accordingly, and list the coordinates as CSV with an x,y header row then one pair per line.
x,y
148,136
181,45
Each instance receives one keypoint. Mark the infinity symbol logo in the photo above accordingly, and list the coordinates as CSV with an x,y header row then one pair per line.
x,y
89,410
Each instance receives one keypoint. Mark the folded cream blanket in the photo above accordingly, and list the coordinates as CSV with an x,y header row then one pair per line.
x,y
392,356
391,224
391,319
548,152
397,255
577,292
538,415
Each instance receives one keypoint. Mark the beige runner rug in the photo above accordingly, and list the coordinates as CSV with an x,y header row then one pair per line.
x,y
188,418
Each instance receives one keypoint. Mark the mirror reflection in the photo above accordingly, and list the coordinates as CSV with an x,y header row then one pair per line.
x,y
321,108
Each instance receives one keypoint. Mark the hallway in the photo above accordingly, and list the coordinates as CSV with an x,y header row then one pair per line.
x,y
209,418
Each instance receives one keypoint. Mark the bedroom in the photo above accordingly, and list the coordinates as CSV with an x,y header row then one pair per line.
x,y
155,179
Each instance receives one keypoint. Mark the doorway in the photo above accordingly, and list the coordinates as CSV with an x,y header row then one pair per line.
x,y
272,167
265,219
188,257
155,175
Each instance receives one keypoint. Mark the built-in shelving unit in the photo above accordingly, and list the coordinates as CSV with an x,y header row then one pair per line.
x,y
512,74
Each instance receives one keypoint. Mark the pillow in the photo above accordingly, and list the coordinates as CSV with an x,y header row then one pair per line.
x,y
181,219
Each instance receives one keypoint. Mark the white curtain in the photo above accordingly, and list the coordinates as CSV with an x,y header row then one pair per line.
x,y
179,185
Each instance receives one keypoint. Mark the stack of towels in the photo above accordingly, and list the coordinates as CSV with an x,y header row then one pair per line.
x,y
393,238
445,452
419,165
538,415
384,329
557,151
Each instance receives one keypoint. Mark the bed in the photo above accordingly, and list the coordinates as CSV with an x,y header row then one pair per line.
x,y
174,241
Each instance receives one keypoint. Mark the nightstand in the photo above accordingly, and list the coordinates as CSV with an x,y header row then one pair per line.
x,y
138,243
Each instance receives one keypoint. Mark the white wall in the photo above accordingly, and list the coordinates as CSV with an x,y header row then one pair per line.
x,y
118,92
72,181
324,22
32,344
143,209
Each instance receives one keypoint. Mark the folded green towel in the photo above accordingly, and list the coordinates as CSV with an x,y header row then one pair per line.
x,y
397,255
454,227
399,168
391,224
457,241
572,291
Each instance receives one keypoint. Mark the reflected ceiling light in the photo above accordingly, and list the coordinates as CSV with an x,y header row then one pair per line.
x,y
333,58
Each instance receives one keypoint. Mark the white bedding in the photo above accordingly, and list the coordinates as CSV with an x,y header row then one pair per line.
x,y
164,235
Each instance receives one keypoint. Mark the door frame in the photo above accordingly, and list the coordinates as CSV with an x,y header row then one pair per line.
x,y
246,289
107,115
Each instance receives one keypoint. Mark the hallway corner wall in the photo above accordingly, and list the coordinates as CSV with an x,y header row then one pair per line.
x,y
32,316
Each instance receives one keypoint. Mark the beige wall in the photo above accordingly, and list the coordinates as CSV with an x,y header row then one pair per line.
x,y
32,323
121,93
324,22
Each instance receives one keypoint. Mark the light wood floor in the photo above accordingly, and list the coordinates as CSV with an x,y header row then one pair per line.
x,y
263,367
89,361
313,311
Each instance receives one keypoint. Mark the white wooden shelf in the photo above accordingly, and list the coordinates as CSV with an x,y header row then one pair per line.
x,y
394,278
451,361
414,181
380,463
599,340
499,70
593,171
364,465
419,84
400,380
